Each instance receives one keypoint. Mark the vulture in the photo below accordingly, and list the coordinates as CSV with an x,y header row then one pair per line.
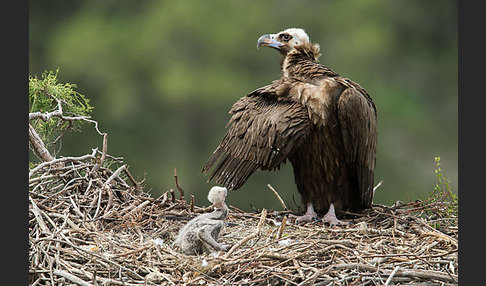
x,y
324,124
200,235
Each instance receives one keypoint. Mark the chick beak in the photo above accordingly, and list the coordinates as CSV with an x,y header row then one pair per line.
x,y
268,40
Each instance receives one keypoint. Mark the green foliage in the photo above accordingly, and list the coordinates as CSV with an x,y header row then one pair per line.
x,y
443,191
442,203
45,96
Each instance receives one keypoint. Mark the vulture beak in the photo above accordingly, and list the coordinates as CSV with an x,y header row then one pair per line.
x,y
268,40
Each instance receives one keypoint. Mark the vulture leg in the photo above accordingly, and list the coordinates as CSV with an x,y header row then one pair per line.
x,y
331,218
206,236
310,215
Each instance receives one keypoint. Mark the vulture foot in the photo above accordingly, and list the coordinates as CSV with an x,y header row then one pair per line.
x,y
331,218
310,215
224,246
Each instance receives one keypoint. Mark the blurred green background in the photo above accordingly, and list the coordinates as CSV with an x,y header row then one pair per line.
x,y
162,76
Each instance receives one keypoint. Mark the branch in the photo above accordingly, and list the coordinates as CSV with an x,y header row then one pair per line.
x,y
71,277
63,159
282,227
390,278
278,196
59,113
251,236
103,155
181,190
38,145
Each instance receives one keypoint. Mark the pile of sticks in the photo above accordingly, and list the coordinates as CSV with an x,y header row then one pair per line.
x,y
85,219
93,224
384,247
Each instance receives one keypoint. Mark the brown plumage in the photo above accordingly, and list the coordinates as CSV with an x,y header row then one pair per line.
x,y
324,124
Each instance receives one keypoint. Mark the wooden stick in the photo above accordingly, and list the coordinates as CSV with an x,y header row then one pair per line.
x,y
103,154
71,278
114,175
278,196
282,227
130,177
38,217
38,145
172,194
387,282
181,190
377,186
251,236
192,203
63,159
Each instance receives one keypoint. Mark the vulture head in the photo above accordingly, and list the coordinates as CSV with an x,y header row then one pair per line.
x,y
217,195
284,41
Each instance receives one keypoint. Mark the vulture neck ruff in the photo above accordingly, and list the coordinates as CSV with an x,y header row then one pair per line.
x,y
302,62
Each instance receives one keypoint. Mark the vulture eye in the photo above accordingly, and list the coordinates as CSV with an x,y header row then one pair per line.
x,y
286,37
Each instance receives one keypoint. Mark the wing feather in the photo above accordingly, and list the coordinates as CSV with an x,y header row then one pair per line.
x,y
263,130
357,117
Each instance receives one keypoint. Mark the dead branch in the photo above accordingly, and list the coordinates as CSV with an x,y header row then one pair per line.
x,y
278,196
251,236
62,160
181,190
38,146
282,227
103,154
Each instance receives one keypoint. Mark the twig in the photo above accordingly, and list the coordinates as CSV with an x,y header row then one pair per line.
x,y
377,186
172,195
282,227
133,251
251,236
71,278
38,217
141,206
63,159
192,203
130,177
109,191
278,196
411,273
181,190
114,175
392,275
38,145
103,154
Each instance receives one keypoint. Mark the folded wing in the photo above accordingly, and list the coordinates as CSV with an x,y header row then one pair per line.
x,y
265,128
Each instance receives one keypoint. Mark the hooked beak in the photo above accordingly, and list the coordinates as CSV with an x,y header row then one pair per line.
x,y
268,40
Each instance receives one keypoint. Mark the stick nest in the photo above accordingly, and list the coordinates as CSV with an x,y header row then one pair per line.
x,y
95,225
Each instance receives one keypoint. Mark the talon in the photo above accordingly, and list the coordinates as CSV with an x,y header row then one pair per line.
x,y
309,216
331,218
305,218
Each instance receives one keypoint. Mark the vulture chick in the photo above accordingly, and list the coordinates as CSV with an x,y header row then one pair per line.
x,y
324,124
201,233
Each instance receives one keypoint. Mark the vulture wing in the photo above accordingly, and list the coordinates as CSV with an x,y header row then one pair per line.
x,y
265,128
357,116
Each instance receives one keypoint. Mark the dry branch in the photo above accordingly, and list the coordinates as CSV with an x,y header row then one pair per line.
x,y
181,190
278,196
38,145
282,227
251,236
103,154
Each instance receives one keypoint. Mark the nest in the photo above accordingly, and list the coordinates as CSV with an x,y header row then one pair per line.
x,y
93,224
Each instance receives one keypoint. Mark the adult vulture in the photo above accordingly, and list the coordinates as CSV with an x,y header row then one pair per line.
x,y
324,124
